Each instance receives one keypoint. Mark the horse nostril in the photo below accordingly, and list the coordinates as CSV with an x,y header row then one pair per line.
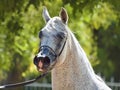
x,y
46,60
35,60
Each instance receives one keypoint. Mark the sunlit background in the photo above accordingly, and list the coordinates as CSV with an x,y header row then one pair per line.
x,y
95,23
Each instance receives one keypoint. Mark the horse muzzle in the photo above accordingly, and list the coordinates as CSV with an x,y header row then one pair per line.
x,y
45,59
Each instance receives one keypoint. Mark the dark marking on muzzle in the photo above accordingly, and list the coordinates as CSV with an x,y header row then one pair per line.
x,y
44,60
46,57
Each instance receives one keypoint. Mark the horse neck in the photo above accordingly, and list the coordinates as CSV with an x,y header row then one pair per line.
x,y
80,57
75,70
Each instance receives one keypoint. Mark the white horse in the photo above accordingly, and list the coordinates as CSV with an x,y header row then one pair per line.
x,y
61,52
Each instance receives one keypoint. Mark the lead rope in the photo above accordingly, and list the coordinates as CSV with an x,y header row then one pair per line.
x,y
23,83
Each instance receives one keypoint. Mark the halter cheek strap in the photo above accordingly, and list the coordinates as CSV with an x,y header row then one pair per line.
x,y
62,47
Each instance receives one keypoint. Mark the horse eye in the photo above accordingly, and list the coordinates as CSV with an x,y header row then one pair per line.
x,y
61,35
40,34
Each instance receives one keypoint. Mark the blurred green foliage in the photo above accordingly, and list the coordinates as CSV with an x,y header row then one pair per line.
x,y
95,23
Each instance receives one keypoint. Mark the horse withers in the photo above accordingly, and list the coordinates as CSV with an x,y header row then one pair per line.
x,y
61,53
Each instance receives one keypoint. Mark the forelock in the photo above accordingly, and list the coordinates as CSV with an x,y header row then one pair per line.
x,y
56,23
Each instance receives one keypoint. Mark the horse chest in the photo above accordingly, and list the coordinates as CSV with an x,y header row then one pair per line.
x,y
63,79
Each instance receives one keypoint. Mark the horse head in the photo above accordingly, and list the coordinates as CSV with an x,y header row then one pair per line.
x,y
52,40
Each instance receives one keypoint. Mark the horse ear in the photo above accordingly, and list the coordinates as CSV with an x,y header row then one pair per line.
x,y
64,15
45,14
